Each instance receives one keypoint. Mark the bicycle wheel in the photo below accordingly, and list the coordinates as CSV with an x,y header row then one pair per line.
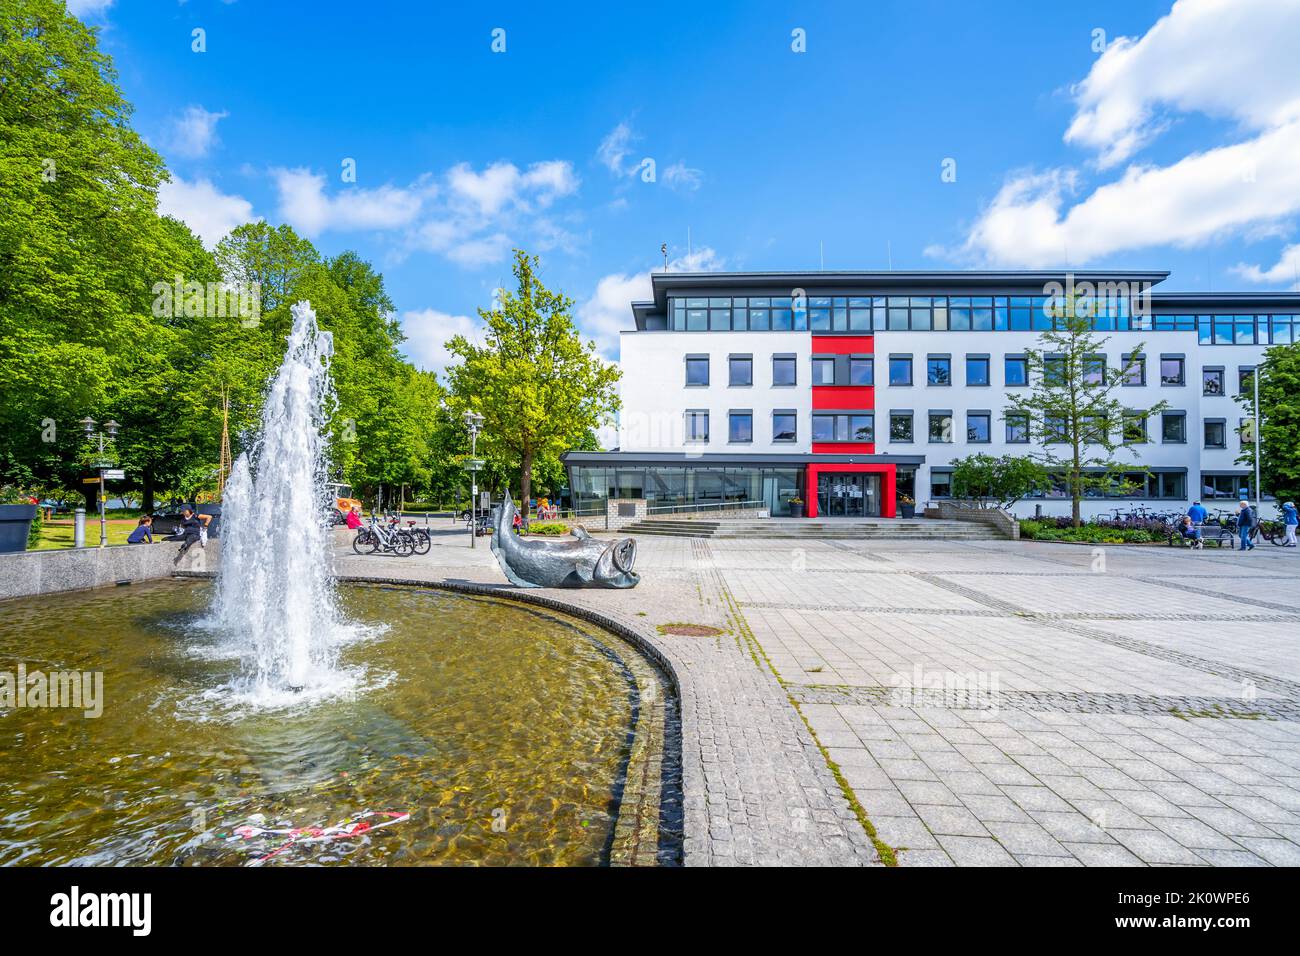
x,y
364,542
422,542
403,546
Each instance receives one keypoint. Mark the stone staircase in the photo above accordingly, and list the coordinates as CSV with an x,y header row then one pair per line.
x,y
844,529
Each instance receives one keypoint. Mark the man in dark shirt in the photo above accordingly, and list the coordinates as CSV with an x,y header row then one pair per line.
x,y
189,529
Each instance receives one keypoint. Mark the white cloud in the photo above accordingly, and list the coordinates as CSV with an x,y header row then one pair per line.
x,y
305,206
1225,58
609,310
614,149
209,212
503,185
1184,63
427,332
194,132
681,176
1285,270
88,8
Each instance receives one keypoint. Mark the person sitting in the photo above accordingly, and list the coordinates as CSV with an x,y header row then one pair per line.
x,y
353,519
1191,533
188,533
143,533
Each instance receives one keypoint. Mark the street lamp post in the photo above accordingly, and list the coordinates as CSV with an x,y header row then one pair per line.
x,y
473,424
1259,440
110,428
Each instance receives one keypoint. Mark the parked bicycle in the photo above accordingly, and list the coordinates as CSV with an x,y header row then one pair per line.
x,y
379,536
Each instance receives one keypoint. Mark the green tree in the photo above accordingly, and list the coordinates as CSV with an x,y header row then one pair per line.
x,y
1279,400
1071,407
1003,480
538,386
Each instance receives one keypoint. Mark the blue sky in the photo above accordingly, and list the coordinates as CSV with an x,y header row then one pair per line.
x,y
1168,140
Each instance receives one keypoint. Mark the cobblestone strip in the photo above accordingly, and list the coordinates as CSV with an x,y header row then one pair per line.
x,y
1267,682
1221,595
1058,701
1031,615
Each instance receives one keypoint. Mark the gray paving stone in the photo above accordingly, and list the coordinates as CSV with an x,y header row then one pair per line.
x,y
1103,854
1154,846
1028,838
951,821
976,851
1277,852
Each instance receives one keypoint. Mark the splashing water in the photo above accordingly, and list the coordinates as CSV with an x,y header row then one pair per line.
x,y
274,590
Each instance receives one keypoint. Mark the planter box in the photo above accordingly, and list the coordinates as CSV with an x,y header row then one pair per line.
x,y
796,509
907,511
15,525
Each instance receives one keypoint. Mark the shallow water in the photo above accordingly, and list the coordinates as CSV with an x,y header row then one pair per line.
x,y
507,734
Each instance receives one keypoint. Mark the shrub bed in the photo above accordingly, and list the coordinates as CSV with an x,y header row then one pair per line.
x,y
549,528
1101,532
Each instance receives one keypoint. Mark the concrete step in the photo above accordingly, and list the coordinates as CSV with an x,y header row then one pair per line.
x,y
884,530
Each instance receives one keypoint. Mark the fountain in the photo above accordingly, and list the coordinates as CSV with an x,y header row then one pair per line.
x,y
274,588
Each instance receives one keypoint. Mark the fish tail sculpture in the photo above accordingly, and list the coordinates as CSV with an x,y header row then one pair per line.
x,y
578,561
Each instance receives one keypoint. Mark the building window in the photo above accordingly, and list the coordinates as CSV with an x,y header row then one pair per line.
x,y
900,426
1017,428
900,370
827,427
1173,370
1227,486
1094,370
1094,429
1173,428
1246,380
783,370
978,428
1054,371
697,426
941,427
1017,370
785,426
823,370
741,370
862,371
977,370
1216,433
938,370
940,484
1135,428
740,427
1055,430
1135,371
1212,381
697,371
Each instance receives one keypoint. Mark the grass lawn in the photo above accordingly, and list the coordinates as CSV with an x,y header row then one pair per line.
x,y
58,533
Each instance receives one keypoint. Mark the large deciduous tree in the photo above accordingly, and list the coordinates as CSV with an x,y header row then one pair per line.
x,y
1071,407
1279,400
538,386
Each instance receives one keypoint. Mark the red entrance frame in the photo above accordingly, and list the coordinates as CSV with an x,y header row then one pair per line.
x,y
888,483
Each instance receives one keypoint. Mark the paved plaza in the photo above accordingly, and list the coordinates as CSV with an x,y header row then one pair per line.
x,y
982,702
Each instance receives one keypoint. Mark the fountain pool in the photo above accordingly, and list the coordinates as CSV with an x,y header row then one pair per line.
x,y
511,735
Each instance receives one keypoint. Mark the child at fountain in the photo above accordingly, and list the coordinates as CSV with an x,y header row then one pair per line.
x,y
143,533
189,529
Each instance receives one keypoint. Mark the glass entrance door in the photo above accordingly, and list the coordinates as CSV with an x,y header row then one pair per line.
x,y
848,495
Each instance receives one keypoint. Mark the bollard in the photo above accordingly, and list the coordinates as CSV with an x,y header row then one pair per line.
x,y
79,528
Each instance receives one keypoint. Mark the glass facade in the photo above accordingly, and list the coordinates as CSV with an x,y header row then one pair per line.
x,y
943,313
670,486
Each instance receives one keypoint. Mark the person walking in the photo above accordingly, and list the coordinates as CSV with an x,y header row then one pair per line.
x,y
1197,513
1289,521
1246,519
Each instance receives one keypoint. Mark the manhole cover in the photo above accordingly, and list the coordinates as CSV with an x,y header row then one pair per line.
x,y
690,630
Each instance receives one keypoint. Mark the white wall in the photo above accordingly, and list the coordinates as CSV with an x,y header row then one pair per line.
x,y
655,395
960,398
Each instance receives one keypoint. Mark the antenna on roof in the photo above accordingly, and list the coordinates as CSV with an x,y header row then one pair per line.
x,y
821,246
889,253
663,249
